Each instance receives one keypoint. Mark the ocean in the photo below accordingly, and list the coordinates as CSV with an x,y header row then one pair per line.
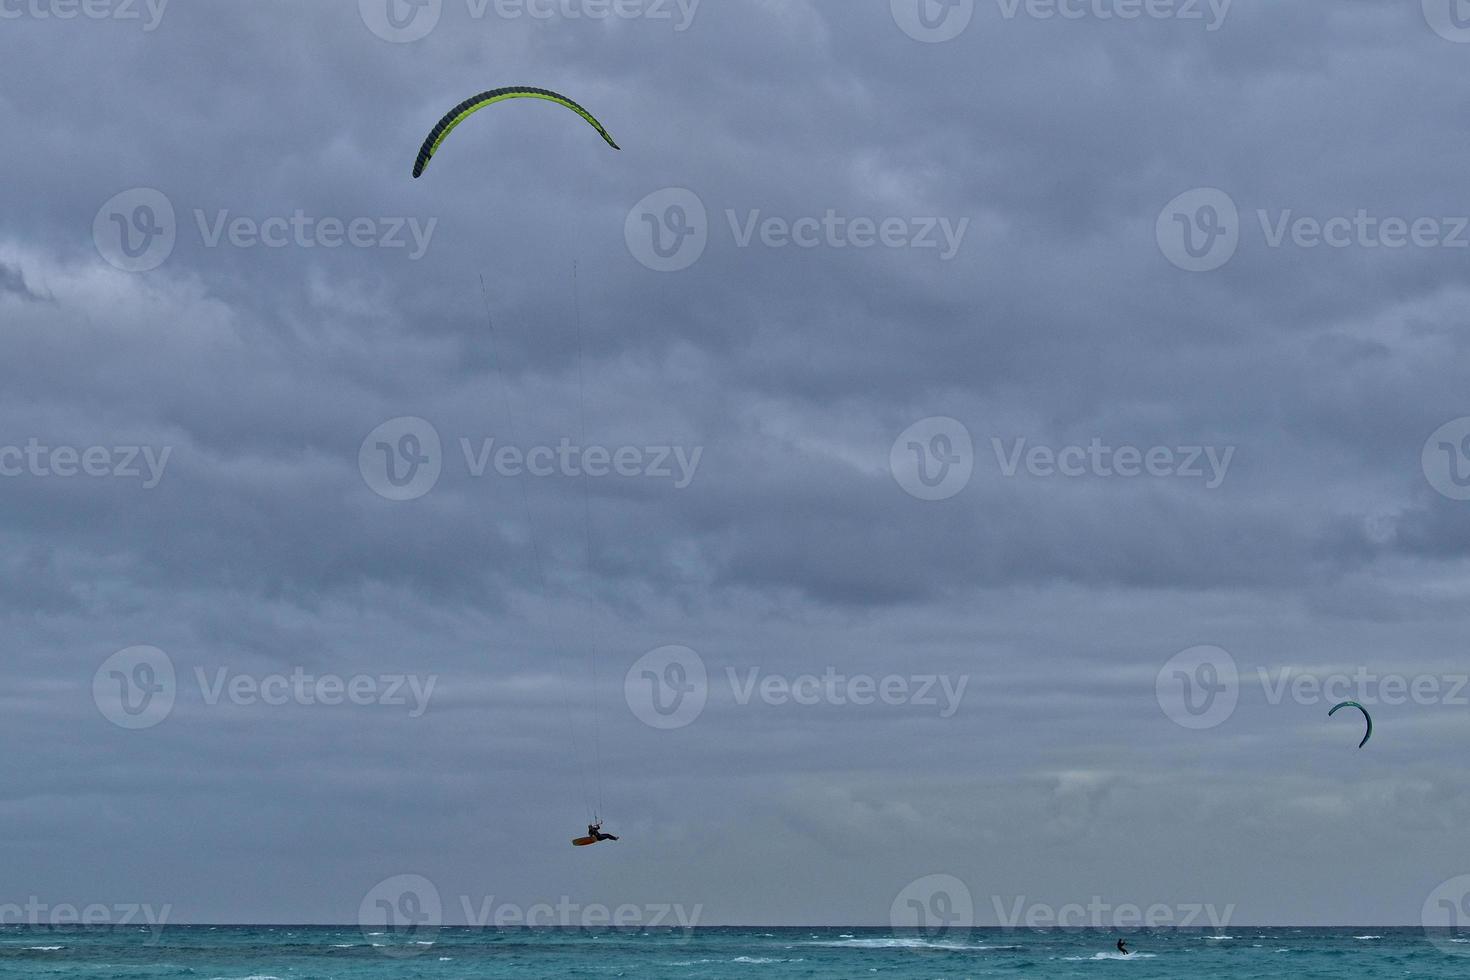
x,y
349,953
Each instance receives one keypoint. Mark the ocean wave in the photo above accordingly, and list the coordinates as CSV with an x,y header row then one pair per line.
x,y
904,942
1111,956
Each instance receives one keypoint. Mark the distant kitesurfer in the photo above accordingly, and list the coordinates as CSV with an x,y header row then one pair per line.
x,y
1123,947
594,830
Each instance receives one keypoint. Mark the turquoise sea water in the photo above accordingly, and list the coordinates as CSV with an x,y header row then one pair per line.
x,y
319,953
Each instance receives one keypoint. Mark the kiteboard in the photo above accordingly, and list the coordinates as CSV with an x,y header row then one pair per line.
x,y
584,841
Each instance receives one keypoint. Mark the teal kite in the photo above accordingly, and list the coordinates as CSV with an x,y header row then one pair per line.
x,y
1366,717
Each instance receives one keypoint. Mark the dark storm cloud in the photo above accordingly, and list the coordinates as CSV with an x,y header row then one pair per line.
x,y
1058,322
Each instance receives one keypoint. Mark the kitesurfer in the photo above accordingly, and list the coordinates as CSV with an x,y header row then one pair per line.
x,y
1123,947
594,830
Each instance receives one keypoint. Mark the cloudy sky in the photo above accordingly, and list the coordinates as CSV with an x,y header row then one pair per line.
x,y
1077,392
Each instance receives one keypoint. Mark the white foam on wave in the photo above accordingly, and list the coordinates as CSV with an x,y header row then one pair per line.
x,y
903,942
1219,937
1367,937
1111,956
45,949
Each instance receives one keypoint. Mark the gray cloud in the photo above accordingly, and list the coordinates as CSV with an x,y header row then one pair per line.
x,y
1059,321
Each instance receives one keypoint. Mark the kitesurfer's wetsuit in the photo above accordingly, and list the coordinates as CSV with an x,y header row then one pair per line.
x,y
595,830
